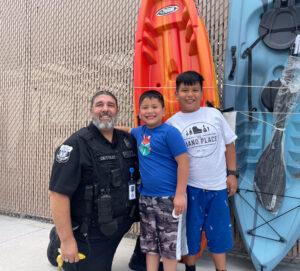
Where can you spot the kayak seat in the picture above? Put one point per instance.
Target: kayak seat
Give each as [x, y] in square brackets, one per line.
[269, 94]
[280, 26]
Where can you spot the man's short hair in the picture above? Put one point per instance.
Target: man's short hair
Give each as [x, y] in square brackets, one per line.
[189, 78]
[152, 94]
[103, 92]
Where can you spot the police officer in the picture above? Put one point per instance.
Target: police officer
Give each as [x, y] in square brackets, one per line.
[93, 189]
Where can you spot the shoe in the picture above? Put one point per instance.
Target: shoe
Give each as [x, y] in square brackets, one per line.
[190, 268]
[54, 244]
[137, 262]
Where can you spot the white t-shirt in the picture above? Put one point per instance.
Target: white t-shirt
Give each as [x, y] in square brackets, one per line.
[205, 133]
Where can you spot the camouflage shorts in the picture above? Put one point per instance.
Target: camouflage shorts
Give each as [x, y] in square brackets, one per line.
[159, 230]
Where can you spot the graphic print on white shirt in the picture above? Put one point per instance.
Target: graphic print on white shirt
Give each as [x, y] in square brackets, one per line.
[201, 139]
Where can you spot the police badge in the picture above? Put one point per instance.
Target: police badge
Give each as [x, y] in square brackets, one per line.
[63, 154]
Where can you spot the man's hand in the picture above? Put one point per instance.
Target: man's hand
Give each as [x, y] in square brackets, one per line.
[69, 250]
[60, 261]
[231, 185]
[179, 204]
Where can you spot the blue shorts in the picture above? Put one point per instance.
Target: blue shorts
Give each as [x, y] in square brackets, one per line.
[208, 210]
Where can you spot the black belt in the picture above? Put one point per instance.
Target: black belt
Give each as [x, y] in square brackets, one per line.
[120, 219]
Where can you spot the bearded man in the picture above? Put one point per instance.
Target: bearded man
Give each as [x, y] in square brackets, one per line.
[92, 189]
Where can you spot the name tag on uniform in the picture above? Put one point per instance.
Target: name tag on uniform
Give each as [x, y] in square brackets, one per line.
[107, 157]
[128, 154]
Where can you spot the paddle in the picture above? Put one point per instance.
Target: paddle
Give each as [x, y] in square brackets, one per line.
[270, 175]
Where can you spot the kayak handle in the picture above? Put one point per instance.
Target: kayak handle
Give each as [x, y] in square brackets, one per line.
[233, 57]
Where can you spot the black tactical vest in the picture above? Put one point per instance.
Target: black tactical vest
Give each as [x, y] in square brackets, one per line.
[107, 192]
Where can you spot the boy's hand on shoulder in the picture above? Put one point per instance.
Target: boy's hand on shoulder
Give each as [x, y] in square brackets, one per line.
[179, 204]
[231, 185]
[124, 129]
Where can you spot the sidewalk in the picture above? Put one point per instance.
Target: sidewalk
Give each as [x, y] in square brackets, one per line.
[23, 245]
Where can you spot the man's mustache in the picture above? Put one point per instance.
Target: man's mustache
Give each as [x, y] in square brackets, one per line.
[105, 115]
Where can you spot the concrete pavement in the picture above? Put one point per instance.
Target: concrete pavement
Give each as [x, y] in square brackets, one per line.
[23, 246]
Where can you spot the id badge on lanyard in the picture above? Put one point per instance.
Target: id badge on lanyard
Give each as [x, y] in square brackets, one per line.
[132, 193]
[131, 186]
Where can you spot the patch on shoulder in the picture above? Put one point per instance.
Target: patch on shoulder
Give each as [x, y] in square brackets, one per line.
[63, 154]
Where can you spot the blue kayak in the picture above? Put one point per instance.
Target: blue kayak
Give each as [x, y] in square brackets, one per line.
[261, 34]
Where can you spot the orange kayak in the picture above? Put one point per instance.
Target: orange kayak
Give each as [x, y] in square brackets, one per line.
[171, 38]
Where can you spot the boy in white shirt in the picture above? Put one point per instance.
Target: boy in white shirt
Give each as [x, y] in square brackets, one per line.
[212, 177]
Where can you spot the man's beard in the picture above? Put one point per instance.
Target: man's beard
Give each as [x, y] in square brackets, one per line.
[104, 125]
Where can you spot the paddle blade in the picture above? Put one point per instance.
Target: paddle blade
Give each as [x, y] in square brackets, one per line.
[270, 178]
